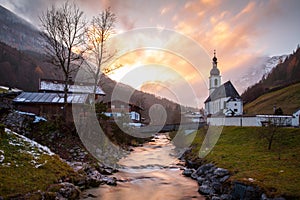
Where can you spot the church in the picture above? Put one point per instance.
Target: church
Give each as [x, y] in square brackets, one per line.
[223, 99]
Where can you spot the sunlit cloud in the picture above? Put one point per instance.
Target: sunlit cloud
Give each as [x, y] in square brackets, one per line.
[240, 31]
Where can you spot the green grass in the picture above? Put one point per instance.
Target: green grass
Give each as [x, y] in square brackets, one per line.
[287, 98]
[245, 153]
[21, 175]
[2, 90]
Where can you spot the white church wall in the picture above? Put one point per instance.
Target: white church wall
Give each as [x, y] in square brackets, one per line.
[235, 106]
[257, 120]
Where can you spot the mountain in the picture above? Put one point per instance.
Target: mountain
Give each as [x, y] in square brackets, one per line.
[255, 70]
[18, 33]
[284, 74]
[21, 70]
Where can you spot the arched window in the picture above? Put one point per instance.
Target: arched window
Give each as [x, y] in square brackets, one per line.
[216, 82]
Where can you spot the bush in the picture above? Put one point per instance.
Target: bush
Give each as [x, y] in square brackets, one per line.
[2, 129]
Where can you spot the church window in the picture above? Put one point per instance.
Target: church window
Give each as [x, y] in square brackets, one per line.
[216, 82]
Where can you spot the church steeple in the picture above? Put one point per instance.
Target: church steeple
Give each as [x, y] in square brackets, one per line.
[215, 78]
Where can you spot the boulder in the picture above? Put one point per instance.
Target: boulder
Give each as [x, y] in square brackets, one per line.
[226, 197]
[200, 180]
[93, 177]
[206, 190]
[63, 190]
[225, 178]
[203, 169]
[188, 172]
[252, 193]
[217, 186]
[194, 175]
[69, 191]
[221, 172]
[215, 198]
[110, 181]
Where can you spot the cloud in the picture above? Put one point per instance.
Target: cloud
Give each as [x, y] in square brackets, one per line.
[232, 31]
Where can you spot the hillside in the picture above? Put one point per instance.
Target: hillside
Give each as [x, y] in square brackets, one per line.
[288, 99]
[21, 70]
[283, 75]
[26, 166]
[144, 100]
[19, 33]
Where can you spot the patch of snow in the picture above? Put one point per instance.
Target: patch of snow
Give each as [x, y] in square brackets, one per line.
[41, 148]
[25, 113]
[1, 156]
[37, 118]
[6, 164]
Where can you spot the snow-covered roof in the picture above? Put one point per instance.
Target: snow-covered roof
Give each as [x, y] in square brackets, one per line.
[58, 86]
[34, 97]
[10, 89]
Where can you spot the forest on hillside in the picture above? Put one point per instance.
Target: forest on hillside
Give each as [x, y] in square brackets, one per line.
[286, 73]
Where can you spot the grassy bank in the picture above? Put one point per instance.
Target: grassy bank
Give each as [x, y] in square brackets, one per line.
[245, 153]
[25, 167]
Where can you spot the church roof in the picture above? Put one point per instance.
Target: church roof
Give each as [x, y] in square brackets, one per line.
[225, 90]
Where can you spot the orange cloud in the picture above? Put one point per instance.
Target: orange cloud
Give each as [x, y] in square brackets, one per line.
[230, 33]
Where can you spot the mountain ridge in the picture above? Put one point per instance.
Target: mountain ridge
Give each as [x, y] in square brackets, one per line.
[284, 74]
[19, 33]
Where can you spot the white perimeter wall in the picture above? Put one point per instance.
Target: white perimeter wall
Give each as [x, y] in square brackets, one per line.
[233, 121]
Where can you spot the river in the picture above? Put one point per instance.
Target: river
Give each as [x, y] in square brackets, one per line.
[150, 172]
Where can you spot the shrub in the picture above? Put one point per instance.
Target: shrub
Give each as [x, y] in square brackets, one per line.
[2, 129]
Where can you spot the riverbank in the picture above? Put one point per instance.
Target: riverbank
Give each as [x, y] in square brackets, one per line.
[244, 152]
[70, 168]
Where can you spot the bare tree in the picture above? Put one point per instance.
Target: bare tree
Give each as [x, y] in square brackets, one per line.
[100, 29]
[272, 128]
[64, 29]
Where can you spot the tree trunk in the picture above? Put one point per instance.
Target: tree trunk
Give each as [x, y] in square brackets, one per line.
[66, 90]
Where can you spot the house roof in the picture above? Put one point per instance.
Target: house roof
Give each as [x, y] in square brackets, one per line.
[58, 86]
[225, 90]
[50, 98]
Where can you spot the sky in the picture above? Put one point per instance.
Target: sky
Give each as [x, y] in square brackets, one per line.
[176, 62]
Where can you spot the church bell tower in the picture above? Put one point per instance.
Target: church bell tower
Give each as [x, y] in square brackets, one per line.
[215, 78]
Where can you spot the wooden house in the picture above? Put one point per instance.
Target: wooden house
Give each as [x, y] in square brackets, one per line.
[49, 105]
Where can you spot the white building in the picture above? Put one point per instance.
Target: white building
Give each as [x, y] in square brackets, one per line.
[194, 117]
[223, 99]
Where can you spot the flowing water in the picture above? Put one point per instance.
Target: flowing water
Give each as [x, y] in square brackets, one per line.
[150, 172]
